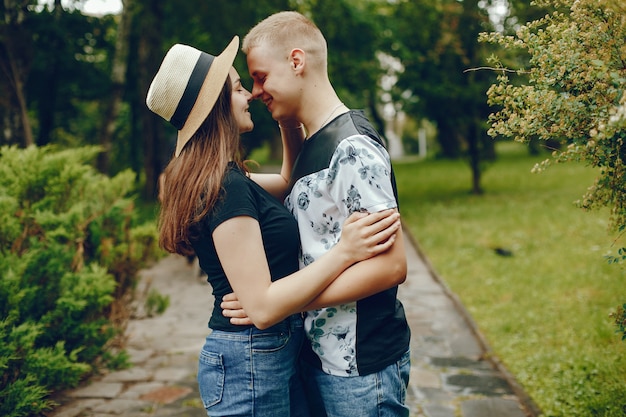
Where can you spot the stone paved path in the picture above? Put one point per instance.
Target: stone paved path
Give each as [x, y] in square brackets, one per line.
[449, 375]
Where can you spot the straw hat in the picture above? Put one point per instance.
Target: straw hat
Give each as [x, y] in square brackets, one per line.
[187, 85]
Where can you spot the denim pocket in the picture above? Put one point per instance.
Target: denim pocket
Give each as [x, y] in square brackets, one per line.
[211, 378]
[405, 359]
[270, 342]
[404, 371]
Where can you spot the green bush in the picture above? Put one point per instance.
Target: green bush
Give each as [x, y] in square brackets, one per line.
[69, 256]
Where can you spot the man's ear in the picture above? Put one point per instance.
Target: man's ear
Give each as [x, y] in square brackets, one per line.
[297, 59]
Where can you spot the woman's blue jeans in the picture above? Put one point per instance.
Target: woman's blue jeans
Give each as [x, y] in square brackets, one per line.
[254, 372]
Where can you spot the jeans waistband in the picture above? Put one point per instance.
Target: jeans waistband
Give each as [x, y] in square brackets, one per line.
[292, 322]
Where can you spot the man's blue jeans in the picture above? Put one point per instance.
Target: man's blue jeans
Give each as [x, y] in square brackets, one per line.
[381, 394]
[253, 373]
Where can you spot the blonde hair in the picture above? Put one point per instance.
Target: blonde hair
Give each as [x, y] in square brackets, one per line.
[284, 31]
[192, 181]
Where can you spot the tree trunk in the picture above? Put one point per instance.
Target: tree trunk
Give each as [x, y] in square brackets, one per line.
[15, 65]
[473, 136]
[48, 98]
[377, 120]
[21, 99]
[471, 23]
[149, 57]
[118, 80]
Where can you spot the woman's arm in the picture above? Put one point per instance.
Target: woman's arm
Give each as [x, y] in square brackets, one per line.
[267, 302]
[363, 279]
[292, 134]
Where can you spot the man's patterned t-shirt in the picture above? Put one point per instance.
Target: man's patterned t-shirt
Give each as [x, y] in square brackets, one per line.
[343, 169]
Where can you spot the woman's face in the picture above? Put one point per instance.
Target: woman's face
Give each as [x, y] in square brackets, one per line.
[240, 103]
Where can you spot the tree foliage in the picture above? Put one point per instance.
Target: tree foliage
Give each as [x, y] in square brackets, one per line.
[438, 82]
[63, 84]
[574, 94]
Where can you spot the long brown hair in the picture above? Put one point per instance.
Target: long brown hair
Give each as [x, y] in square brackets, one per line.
[193, 180]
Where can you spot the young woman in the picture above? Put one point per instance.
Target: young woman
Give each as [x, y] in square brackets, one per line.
[245, 240]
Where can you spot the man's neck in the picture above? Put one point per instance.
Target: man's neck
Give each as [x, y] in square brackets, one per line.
[319, 116]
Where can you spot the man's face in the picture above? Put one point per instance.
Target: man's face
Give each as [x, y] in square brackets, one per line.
[273, 81]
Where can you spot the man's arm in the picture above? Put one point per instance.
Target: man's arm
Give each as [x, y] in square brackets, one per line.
[267, 301]
[363, 279]
[366, 278]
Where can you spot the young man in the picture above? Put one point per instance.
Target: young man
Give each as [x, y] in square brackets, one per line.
[357, 362]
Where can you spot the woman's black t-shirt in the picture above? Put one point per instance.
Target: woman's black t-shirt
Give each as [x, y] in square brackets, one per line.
[240, 196]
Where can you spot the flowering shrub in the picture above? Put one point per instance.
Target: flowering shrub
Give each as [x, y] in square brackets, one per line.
[572, 91]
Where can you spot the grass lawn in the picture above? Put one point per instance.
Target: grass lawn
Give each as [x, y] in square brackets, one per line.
[545, 309]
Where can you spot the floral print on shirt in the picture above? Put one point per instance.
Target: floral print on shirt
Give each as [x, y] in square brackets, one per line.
[357, 179]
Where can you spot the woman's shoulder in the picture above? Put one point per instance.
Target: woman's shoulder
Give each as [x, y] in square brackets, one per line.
[235, 176]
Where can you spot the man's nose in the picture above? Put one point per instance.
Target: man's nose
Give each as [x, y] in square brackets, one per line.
[257, 91]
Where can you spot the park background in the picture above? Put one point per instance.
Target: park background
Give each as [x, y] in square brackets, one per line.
[480, 101]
